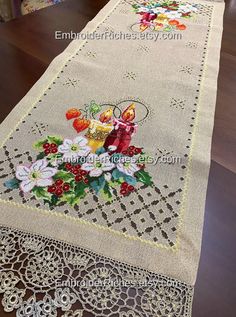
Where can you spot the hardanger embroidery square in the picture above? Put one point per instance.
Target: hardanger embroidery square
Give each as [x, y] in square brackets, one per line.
[77, 118]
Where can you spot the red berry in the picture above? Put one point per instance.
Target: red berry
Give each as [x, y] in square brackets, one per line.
[137, 150]
[53, 145]
[51, 189]
[83, 173]
[124, 185]
[85, 180]
[131, 148]
[131, 153]
[68, 166]
[78, 166]
[66, 187]
[75, 171]
[46, 145]
[141, 165]
[130, 188]
[123, 191]
[78, 178]
[59, 182]
[47, 151]
[59, 191]
[54, 150]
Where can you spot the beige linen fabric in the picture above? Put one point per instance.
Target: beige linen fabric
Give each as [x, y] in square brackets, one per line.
[173, 83]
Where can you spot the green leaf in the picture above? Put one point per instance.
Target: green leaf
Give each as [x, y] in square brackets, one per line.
[52, 201]
[39, 144]
[65, 176]
[71, 198]
[40, 192]
[106, 193]
[55, 139]
[144, 177]
[80, 190]
[40, 156]
[12, 183]
[94, 108]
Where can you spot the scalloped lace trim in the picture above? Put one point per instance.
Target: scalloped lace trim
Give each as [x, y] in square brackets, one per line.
[42, 277]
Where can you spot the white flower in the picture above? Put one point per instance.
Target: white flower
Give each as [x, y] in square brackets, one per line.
[107, 176]
[72, 149]
[187, 8]
[38, 174]
[98, 164]
[64, 298]
[159, 10]
[12, 299]
[7, 281]
[128, 167]
[173, 15]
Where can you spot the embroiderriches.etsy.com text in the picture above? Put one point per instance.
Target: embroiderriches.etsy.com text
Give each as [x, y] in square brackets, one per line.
[151, 160]
[114, 283]
[117, 36]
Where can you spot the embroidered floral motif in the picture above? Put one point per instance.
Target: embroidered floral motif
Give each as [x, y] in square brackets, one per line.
[163, 15]
[7, 281]
[164, 301]
[65, 170]
[44, 268]
[12, 299]
[64, 298]
[97, 288]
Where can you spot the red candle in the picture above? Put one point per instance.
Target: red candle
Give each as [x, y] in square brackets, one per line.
[124, 129]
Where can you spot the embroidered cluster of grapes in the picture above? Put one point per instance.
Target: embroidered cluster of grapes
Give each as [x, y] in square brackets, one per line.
[59, 187]
[80, 175]
[50, 148]
[132, 150]
[125, 189]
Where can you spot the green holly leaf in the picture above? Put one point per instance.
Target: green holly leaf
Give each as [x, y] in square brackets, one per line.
[41, 192]
[71, 198]
[40, 156]
[144, 177]
[65, 176]
[55, 139]
[52, 201]
[80, 190]
[12, 183]
[39, 144]
[106, 193]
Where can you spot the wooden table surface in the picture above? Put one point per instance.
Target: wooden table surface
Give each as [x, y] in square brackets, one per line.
[27, 46]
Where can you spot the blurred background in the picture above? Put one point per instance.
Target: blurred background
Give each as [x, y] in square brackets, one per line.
[9, 9]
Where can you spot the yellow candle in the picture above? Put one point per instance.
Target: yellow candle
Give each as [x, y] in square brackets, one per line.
[97, 134]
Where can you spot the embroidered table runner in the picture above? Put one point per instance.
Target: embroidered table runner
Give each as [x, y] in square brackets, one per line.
[104, 167]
